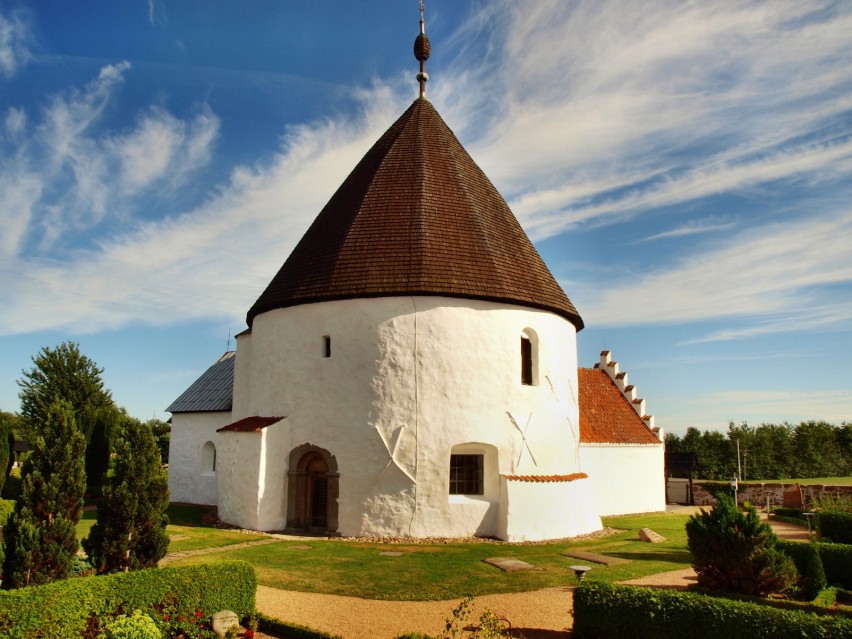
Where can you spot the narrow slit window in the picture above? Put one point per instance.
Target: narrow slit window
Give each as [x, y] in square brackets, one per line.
[326, 346]
[526, 361]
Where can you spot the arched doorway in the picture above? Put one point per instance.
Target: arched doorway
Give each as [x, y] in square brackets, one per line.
[312, 491]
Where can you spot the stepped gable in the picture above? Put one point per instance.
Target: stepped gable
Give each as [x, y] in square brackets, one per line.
[607, 415]
[416, 216]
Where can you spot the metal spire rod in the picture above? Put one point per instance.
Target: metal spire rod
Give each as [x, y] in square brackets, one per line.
[422, 49]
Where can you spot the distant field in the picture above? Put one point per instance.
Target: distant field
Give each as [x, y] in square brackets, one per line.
[827, 481]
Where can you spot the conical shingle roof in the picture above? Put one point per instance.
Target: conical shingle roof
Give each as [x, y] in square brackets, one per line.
[416, 216]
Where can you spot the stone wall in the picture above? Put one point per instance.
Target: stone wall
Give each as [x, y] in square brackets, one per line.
[791, 495]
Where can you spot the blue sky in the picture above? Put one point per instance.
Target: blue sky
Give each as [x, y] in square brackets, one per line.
[685, 170]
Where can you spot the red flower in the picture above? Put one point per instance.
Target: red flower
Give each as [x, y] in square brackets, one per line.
[181, 618]
[198, 613]
[166, 618]
[249, 634]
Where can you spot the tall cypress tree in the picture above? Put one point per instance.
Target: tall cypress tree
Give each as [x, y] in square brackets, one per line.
[130, 532]
[40, 535]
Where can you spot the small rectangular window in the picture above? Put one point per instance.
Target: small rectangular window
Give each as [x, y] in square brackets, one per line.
[326, 346]
[526, 362]
[466, 472]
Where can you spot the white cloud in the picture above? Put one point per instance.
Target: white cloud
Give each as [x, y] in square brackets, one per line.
[714, 410]
[607, 105]
[581, 113]
[774, 273]
[70, 174]
[691, 227]
[210, 262]
[14, 44]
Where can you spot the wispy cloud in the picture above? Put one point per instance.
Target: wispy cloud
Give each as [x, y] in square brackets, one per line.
[716, 409]
[15, 40]
[61, 172]
[691, 227]
[767, 276]
[209, 262]
[583, 114]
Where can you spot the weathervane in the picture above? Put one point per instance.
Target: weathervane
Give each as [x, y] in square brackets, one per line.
[422, 49]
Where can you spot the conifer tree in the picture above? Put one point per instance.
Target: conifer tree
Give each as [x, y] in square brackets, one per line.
[130, 532]
[40, 536]
[65, 373]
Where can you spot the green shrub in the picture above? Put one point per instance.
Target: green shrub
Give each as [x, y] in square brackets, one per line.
[12, 487]
[136, 626]
[835, 526]
[65, 609]
[6, 508]
[608, 611]
[833, 504]
[732, 550]
[837, 562]
[808, 563]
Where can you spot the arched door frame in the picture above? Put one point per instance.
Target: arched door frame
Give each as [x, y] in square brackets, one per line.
[300, 486]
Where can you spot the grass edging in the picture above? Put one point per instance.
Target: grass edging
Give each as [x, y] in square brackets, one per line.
[288, 630]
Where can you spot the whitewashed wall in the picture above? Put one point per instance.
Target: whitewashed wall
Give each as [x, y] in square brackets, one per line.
[190, 479]
[408, 379]
[548, 510]
[626, 478]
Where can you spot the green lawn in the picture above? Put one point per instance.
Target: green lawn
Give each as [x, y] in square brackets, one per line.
[447, 571]
[187, 529]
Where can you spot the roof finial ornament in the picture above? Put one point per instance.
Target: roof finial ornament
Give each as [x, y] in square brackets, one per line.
[422, 49]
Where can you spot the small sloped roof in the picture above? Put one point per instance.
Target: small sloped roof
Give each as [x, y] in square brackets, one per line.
[416, 216]
[253, 424]
[606, 417]
[213, 391]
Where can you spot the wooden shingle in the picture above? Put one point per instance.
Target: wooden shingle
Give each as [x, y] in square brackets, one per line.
[416, 216]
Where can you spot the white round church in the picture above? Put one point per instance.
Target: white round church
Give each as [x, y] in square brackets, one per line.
[411, 371]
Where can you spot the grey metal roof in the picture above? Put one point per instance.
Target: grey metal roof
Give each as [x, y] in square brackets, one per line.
[213, 391]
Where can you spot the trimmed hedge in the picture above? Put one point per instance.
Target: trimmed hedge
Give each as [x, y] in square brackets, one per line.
[837, 563]
[607, 611]
[835, 526]
[67, 609]
[808, 563]
[290, 630]
[789, 513]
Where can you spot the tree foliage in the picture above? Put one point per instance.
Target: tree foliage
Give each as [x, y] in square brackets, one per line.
[40, 536]
[130, 532]
[64, 373]
[8, 424]
[769, 451]
[162, 434]
[732, 550]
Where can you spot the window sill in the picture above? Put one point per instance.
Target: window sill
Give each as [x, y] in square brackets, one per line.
[468, 499]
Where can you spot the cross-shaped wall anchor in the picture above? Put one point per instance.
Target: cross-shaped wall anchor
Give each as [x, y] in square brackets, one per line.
[524, 442]
[392, 461]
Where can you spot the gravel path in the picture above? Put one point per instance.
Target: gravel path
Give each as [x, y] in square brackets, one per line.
[541, 614]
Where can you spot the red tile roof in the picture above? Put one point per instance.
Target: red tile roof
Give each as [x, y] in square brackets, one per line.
[547, 478]
[606, 416]
[416, 216]
[249, 425]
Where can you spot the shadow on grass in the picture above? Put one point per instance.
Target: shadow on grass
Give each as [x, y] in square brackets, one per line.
[674, 556]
